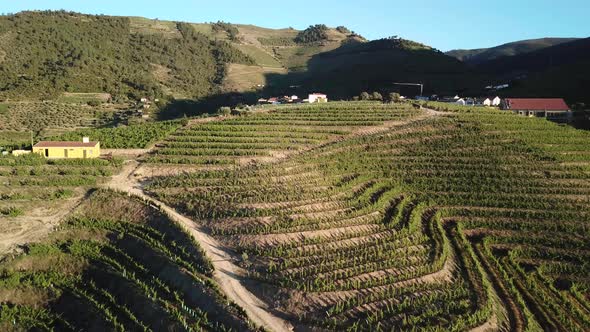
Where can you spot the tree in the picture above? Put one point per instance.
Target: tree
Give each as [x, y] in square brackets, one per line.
[376, 96]
[224, 111]
[343, 29]
[394, 97]
[365, 95]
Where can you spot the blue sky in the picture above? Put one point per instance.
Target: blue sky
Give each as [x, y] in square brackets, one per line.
[442, 24]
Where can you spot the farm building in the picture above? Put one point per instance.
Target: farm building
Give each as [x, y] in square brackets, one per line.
[550, 108]
[52, 149]
[317, 98]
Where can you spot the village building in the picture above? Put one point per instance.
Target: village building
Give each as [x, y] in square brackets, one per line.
[489, 101]
[54, 149]
[550, 108]
[317, 98]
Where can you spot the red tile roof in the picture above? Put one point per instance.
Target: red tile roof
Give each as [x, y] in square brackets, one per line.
[53, 144]
[537, 104]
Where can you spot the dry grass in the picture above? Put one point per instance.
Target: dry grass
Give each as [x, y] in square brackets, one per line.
[243, 77]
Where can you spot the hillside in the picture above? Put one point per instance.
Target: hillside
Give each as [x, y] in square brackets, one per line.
[560, 70]
[43, 54]
[356, 215]
[133, 269]
[202, 66]
[376, 65]
[338, 216]
[476, 56]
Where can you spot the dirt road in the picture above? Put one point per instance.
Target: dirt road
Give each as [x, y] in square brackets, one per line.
[229, 276]
[34, 226]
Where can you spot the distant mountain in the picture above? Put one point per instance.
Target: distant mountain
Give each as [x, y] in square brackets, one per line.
[480, 55]
[561, 70]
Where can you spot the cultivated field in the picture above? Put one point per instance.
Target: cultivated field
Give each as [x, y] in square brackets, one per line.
[435, 221]
[116, 264]
[52, 116]
[340, 216]
[35, 193]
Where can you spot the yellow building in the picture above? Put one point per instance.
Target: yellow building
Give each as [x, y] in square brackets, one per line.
[84, 149]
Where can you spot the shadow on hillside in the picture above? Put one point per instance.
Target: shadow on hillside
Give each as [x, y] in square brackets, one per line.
[208, 105]
[351, 69]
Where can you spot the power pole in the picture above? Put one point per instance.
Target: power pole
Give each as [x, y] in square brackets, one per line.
[413, 84]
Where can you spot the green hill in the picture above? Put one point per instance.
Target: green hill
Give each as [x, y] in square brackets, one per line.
[43, 54]
[476, 56]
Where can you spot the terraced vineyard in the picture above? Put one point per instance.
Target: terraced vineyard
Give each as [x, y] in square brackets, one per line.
[433, 221]
[116, 264]
[267, 136]
[51, 115]
[36, 193]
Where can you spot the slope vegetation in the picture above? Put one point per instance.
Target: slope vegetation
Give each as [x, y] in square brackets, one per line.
[116, 264]
[46, 53]
[456, 220]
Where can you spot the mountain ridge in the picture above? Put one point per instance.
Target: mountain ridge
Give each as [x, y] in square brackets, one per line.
[479, 55]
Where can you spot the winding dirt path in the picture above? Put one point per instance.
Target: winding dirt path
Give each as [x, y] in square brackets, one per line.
[229, 276]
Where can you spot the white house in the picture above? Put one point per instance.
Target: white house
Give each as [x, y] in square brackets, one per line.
[460, 101]
[317, 98]
[489, 101]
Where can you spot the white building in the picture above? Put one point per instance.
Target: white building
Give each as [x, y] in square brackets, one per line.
[489, 101]
[460, 101]
[317, 98]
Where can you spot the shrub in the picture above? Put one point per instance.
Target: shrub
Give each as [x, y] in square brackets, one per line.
[224, 111]
[314, 33]
[343, 29]
[376, 96]
[394, 97]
